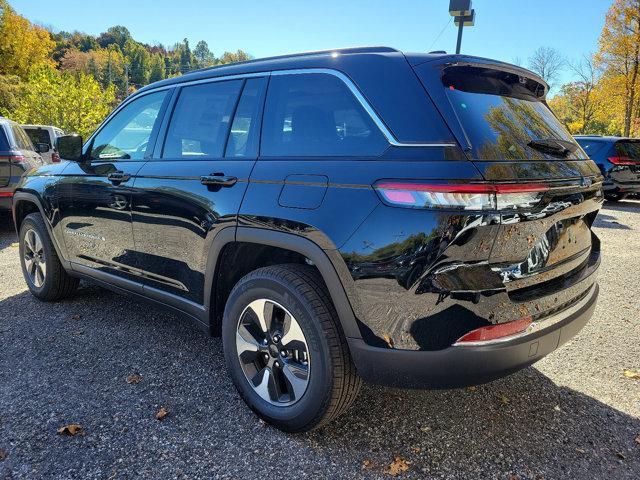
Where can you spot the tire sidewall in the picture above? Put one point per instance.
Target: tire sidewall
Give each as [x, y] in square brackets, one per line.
[31, 224]
[315, 399]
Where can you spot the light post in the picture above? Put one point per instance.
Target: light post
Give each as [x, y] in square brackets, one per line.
[463, 16]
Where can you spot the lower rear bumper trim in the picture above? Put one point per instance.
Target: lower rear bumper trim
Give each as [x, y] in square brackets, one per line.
[470, 365]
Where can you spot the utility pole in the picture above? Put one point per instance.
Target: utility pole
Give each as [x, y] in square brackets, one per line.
[463, 15]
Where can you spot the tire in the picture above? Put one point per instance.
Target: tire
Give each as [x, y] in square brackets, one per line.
[615, 196]
[332, 381]
[56, 283]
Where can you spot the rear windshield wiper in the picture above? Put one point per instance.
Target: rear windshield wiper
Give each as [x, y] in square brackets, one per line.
[553, 146]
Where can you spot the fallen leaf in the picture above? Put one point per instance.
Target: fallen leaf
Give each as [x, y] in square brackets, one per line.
[71, 430]
[133, 378]
[367, 464]
[398, 466]
[78, 333]
[557, 408]
[3, 455]
[504, 400]
[425, 428]
[621, 456]
[162, 413]
[638, 439]
[416, 449]
[632, 374]
[387, 338]
[472, 388]
[77, 316]
[581, 450]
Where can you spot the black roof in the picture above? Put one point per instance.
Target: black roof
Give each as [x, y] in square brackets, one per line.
[329, 59]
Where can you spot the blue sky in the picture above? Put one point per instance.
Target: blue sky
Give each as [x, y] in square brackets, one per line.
[504, 29]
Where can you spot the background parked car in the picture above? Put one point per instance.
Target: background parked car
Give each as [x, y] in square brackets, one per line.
[45, 134]
[619, 160]
[17, 155]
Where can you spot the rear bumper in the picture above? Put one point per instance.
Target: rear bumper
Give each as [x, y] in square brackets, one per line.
[460, 366]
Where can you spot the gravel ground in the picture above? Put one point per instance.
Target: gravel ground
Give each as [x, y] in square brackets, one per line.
[573, 415]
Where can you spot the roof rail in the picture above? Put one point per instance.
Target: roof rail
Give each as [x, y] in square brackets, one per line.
[345, 50]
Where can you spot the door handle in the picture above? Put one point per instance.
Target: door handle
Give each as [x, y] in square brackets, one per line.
[118, 177]
[218, 180]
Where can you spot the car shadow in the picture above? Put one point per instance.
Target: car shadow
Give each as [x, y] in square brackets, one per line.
[609, 221]
[7, 231]
[623, 206]
[72, 358]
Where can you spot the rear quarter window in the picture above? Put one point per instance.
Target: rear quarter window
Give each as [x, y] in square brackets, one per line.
[592, 147]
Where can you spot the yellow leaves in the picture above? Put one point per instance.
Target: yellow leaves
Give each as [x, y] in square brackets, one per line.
[133, 379]
[22, 45]
[503, 399]
[367, 464]
[162, 414]
[71, 430]
[75, 103]
[398, 466]
[387, 338]
[631, 374]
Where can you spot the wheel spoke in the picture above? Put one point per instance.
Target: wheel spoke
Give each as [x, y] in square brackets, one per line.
[292, 332]
[38, 244]
[28, 264]
[39, 276]
[29, 242]
[297, 377]
[247, 345]
[264, 313]
[266, 386]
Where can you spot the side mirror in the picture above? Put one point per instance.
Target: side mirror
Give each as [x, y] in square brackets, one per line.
[70, 147]
[42, 147]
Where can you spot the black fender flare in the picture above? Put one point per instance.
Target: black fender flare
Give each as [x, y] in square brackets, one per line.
[19, 196]
[296, 244]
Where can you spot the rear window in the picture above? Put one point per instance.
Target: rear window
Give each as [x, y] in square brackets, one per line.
[505, 115]
[38, 135]
[628, 149]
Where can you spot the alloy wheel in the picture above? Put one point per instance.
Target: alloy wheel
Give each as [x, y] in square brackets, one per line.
[34, 258]
[273, 352]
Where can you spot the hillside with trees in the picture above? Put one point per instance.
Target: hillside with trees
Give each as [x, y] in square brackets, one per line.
[73, 79]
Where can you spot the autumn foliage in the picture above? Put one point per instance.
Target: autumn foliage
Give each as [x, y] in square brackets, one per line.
[72, 80]
[605, 98]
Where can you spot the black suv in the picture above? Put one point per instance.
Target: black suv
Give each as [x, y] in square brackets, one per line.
[619, 161]
[413, 220]
[17, 155]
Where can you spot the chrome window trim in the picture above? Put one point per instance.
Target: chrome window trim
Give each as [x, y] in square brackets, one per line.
[391, 139]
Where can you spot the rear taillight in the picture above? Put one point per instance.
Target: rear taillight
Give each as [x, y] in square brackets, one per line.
[18, 160]
[623, 161]
[55, 157]
[13, 158]
[475, 196]
[6, 194]
[492, 333]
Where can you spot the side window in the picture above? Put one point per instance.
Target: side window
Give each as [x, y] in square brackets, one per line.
[126, 136]
[310, 115]
[200, 120]
[245, 129]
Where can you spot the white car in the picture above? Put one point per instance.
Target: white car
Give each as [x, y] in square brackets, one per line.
[45, 134]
